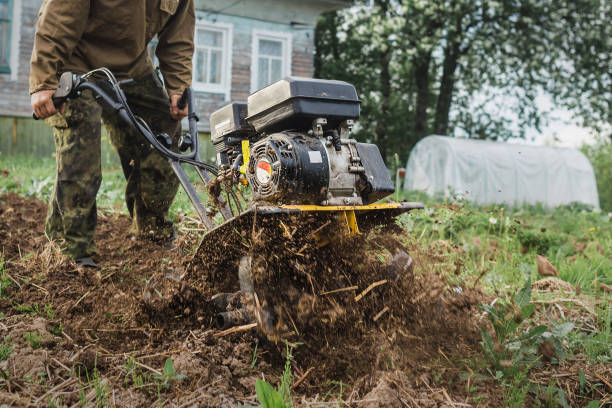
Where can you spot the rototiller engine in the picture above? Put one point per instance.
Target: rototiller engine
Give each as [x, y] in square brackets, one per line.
[293, 139]
[284, 154]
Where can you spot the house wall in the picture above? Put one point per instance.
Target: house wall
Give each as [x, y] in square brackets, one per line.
[302, 57]
[14, 96]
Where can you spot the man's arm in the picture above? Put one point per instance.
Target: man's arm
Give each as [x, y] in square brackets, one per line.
[60, 26]
[175, 49]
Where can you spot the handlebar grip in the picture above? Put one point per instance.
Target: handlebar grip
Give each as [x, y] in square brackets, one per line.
[183, 101]
[57, 102]
[68, 81]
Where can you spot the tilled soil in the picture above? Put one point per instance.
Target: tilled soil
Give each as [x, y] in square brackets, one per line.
[367, 322]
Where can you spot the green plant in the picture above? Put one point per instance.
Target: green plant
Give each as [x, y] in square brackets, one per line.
[32, 310]
[284, 386]
[516, 392]
[6, 348]
[101, 390]
[510, 350]
[54, 402]
[133, 374]
[598, 345]
[57, 329]
[538, 241]
[34, 339]
[281, 397]
[169, 375]
[254, 359]
[5, 281]
[600, 156]
[48, 309]
[268, 397]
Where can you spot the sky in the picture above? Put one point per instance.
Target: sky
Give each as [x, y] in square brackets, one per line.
[562, 129]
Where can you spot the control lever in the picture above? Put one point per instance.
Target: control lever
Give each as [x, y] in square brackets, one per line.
[185, 142]
[164, 139]
[184, 98]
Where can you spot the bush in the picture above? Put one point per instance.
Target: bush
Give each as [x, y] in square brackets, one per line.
[600, 156]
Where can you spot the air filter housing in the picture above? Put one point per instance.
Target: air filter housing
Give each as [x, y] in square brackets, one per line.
[293, 103]
[228, 128]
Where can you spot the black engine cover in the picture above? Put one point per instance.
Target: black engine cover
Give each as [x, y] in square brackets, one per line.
[289, 167]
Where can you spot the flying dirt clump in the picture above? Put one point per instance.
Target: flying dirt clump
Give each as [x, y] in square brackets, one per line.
[332, 295]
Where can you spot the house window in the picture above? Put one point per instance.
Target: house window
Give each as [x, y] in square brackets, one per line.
[271, 59]
[5, 35]
[212, 58]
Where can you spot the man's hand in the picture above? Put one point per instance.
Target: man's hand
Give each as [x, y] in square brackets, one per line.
[42, 104]
[175, 112]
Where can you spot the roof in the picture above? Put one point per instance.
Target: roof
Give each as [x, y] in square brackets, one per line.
[280, 11]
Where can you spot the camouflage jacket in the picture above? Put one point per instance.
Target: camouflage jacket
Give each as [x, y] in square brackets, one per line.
[80, 35]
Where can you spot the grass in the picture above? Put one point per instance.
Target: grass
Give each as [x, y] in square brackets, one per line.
[33, 338]
[5, 281]
[501, 243]
[34, 177]
[6, 348]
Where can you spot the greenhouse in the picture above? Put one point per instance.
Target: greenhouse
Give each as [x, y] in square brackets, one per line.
[486, 172]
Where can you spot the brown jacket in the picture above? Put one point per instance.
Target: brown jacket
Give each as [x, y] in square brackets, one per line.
[80, 35]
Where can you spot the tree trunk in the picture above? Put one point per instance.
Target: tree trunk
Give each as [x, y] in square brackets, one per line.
[447, 88]
[421, 77]
[385, 94]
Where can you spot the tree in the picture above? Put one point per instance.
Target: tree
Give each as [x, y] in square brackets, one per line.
[462, 66]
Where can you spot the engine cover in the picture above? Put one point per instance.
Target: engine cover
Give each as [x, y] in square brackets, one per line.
[289, 167]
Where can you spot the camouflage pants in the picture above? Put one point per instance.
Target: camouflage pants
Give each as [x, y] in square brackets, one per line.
[151, 184]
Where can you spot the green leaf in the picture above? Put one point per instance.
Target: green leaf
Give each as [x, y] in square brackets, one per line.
[592, 404]
[169, 368]
[523, 297]
[563, 399]
[535, 332]
[267, 396]
[582, 381]
[527, 310]
[562, 330]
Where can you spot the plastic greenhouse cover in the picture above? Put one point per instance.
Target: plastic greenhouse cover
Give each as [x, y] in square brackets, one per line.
[488, 172]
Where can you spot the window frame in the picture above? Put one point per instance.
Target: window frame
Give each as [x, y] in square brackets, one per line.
[6, 69]
[227, 32]
[286, 38]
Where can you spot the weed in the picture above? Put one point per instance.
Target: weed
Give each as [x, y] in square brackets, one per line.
[101, 390]
[268, 397]
[281, 397]
[54, 402]
[48, 310]
[169, 375]
[32, 310]
[512, 351]
[284, 386]
[596, 345]
[5, 281]
[254, 359]
[540, 242]
[34, 339]
[6, 348]
[515, 394]
[133, 374]
[57, 329]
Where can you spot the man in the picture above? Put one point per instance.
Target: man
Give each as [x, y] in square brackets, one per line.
[81, 35]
